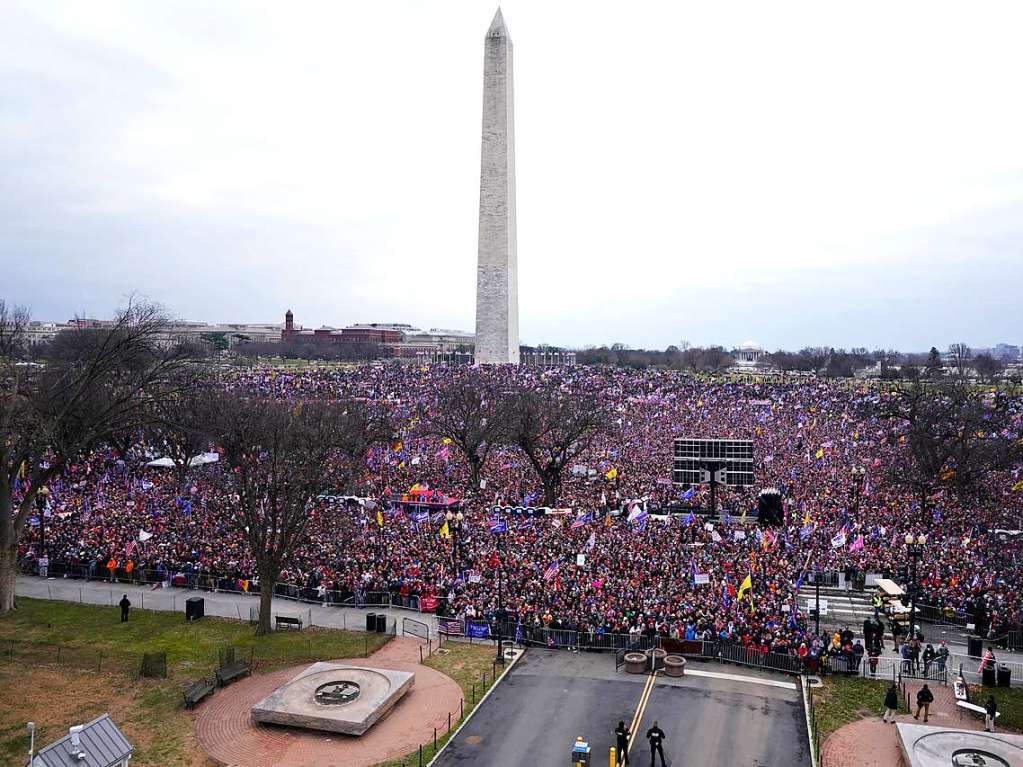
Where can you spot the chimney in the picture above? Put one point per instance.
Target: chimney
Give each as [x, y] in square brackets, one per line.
[289, 320]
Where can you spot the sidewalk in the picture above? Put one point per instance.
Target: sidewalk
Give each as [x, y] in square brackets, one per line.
[219, 604]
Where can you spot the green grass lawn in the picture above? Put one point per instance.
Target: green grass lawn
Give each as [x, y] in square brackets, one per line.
[83, 631]
[842, 700]
[1010, 704]
[466, 664]
[50, 654]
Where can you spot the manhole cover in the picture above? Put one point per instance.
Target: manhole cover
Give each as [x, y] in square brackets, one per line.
[336, 693]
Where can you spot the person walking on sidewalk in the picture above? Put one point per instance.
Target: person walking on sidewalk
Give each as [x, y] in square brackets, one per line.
[924, 699]
[891, 704]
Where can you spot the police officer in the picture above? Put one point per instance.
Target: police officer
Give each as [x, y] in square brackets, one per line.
[124, 604]
[656, 737]
[622, 736]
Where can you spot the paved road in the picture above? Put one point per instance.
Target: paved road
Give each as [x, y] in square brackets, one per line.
[220, 604]
[550, 697]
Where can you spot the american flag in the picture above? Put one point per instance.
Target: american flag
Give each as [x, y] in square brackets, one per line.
[551, 571]
[449, 626]
[129, 550]
[582, 520]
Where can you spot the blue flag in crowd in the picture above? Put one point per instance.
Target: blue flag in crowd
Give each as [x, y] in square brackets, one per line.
[691, 518]
[805, 532]
[688, 494]
[498, 526]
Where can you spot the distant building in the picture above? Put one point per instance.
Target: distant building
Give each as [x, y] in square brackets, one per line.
[397, 339]
[748, 354]
[1006, 352]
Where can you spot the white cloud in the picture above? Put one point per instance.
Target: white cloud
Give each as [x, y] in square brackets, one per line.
[796, 172]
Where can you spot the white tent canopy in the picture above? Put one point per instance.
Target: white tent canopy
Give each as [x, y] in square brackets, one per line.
[199, 460]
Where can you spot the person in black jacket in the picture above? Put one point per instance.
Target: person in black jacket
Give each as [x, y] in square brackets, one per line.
[924, 699]
[656, 737]
[124, 604]
[891, 704]
[990, 712]
[622, 736]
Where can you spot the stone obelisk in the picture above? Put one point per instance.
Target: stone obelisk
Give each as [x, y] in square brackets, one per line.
[497, 280]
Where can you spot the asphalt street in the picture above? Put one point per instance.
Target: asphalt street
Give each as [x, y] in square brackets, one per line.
[550, 697]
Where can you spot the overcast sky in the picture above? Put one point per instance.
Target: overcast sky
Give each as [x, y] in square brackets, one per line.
[715, 172]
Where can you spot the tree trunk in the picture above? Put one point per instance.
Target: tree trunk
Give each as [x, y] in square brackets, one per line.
[551, 481]
[266, 595]
[474, 473]
[8, 578]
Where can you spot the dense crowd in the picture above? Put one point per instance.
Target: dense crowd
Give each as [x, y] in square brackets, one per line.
[680, 574]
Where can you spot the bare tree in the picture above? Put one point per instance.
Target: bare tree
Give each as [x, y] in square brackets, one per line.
[359, 429]
[817, 356]
[959, 356]
[94, 383]
[468, 413]
[551, 427]
[987, 367]
[950, 435]
[181, 418]
[274, 463]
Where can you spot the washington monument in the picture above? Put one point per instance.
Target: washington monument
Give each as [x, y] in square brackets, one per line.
[497, 279]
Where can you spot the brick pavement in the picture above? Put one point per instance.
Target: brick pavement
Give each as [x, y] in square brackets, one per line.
[226, 731]
[872, 743]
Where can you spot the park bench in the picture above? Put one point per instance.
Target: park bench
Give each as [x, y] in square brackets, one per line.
[973, 707]
[288, 622]
[231, 671]
[196, 691]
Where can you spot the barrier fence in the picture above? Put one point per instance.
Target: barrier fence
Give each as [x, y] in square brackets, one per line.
[229, 585]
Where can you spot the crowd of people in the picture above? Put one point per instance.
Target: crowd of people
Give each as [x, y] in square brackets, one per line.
[684, 574]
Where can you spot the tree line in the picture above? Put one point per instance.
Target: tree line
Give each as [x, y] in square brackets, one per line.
[820, 360]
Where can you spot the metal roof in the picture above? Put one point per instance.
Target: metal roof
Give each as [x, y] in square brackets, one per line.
[102, 743]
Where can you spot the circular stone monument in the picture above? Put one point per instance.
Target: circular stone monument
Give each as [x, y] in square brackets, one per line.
[334, 697]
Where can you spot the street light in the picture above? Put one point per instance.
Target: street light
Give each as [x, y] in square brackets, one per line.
[500, 600]
[42, 497]
[915, 550]
[455, 526]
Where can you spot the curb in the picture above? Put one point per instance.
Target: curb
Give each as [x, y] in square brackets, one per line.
[804, 684]
[477, 707]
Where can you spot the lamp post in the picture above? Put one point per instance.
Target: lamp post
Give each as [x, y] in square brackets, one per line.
[858, 474]
[500, 600]
[42, 497]
[914, 550]
[455, 526]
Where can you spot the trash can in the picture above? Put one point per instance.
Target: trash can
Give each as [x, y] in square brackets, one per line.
[974, 646]
[1004, 675]
[381, 623]
[195, 608]
[987, 676]
[371, 622]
